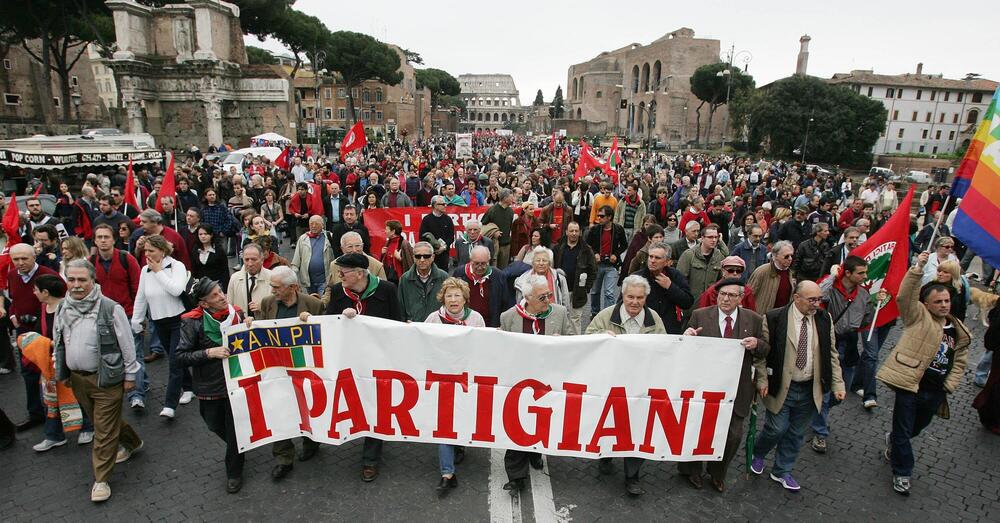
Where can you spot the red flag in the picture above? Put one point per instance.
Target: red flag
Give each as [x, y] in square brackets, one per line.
[614, 157]
[309, 152]
[168, 187]
[354, 139]
[885, 269]
[281, 161]
[11, 224]
[84, 228]
[316, 198]
[552, 143]
[130, 192]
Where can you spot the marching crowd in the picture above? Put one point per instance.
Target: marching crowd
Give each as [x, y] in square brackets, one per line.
[718, 246]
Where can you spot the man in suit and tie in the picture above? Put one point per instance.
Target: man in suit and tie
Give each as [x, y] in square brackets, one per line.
[801, 367]
[727, 319]
[249, 286]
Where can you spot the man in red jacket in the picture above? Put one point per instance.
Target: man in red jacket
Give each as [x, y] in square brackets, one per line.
[23, 314]
[117, 273]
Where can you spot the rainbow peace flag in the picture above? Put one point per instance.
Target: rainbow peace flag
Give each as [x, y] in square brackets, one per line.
[977, 182]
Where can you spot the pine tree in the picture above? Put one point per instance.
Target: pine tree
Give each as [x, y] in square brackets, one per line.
[557, 104]
[539, 99]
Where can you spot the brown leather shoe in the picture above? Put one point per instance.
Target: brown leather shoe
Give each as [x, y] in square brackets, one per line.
[151, 357]
[696, 481]
[369, 473]
[720, 486]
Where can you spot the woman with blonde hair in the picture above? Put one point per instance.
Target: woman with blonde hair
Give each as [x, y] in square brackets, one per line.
[73, 248]
[949, 272]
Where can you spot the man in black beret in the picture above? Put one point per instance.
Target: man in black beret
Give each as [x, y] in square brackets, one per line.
[360, 292]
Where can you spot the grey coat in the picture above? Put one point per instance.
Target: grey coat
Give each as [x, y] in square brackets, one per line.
[556, 323]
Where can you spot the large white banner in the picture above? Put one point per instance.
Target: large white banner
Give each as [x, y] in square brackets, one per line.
[463, 145]
[660, 397]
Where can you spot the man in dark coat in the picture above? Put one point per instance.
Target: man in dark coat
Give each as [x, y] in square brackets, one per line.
[350, 224]
[670, 293]
[489, 292]
[360, 292]
[441, 228]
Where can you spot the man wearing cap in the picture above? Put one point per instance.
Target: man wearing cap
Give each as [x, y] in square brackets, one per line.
[732, 267]
[730, 320]
[201, 348]
[359, 292]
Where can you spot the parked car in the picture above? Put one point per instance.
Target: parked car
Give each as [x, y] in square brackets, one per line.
[919, 176]
[811, 167]
[883, 172]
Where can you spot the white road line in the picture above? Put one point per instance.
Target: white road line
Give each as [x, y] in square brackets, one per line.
[503, 507]
[541, 494]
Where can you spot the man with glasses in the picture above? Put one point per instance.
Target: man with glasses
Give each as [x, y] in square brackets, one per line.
[801, 366]
[772, 283]
[602, 199]
[489, 290]
[607, 240]
[118, 200]
[944, 250]
[729, 319]
[438, 228]
[732, 267]
[752, 251]
[702, 265]
[419, 286]
[361, 293]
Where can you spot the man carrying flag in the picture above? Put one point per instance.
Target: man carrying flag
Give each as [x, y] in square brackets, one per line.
[132, 193]
[354, 139]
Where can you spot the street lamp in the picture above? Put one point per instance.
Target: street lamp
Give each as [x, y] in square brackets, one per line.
[77, 99]
[806, 140]
[742, 56]
[650, 111]
[318, 58]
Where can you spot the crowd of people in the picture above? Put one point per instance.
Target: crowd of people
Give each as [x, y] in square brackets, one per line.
[688, 244]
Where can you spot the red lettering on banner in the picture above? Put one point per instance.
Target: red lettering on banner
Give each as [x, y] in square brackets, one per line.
[484, 408]
[511, 415]
[410, 218]
[354, 411]
[318, 388]
[709, 420]
[446, 400]
[385, 410]
[571, 417]
[258, 425]
[617, 405]
[673, 427]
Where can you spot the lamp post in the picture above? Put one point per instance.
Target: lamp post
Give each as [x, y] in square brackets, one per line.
[77, 99]
[745, 57]
[318, 58]
[650, 111]
[806, 140]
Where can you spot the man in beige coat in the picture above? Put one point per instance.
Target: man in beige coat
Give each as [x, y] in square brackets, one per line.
[250, 285]
[925, 365]
[801, 366]
[772, 283]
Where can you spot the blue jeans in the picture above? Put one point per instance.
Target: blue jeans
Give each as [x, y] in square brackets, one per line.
[983, 368]
[786, 429]
[54, 429]
[911, 414]
[33, 393]
[141, 383]
[845, 343]
[317, 288]
[154, 341]
[169, 330]
[604, 293]
[446, 459]
[865, 377]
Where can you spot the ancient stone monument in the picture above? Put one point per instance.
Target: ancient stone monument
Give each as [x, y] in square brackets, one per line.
[185, 79]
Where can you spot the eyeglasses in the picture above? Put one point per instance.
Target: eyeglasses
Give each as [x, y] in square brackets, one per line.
[952, 247]
[730, 295]
[439, 203]
[733, 270]
[423, 256]
[544, 297]
[602, 215]
[813, 300]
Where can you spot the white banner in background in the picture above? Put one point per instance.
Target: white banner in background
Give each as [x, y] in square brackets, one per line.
[463, 145]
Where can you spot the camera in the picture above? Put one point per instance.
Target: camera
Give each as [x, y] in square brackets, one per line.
[27, 319]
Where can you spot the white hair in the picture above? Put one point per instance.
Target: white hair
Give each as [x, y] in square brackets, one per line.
[635, 280]
[473, 223]
[284, 275]
[541, 249]
[348, 236]
[534, 281]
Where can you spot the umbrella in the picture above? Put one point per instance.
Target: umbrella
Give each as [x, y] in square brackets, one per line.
[751, 435]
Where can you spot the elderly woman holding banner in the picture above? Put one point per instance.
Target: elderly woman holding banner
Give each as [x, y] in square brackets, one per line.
[534, 314]
[454, 299]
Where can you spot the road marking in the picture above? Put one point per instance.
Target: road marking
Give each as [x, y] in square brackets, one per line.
[504, 508]
[541, 494]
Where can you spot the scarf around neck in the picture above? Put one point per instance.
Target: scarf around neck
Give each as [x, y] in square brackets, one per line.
[448, 319]
[473, 279]
[213, 323]
[523, 312]
[359, 299]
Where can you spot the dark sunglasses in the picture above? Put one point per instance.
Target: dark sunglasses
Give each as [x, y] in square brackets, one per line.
[423, 256]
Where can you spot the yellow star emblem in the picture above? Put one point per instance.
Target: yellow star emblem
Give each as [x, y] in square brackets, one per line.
[237, 344]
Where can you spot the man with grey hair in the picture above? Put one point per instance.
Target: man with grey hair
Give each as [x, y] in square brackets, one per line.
[249, 286]
[95, 353]
[394, 197]
[438, 229]
[502, 214]
[150, 223]
[288, 301]
[313, 255]
[669, 288]
[811, 255]
[692, 232]
[472, 237]
[773, 284]
[419, 286]
[631, 316]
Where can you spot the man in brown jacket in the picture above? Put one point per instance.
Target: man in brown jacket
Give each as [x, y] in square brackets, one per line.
[288, 301]
[772, 283]
[926, 364]
[554, 218]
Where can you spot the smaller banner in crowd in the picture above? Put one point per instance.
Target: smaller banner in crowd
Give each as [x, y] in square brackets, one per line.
[410, 218]
[334, 379]
[463, 145]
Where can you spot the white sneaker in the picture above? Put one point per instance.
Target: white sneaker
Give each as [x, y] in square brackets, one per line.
[4, 370]
[137, 404]
[186, 397]
[100, 492]
[860, 392]
[167, 412]
[85, 438]
[48, 444]
[870, 404]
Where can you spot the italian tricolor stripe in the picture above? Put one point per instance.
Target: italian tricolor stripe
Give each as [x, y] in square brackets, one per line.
[253, 362]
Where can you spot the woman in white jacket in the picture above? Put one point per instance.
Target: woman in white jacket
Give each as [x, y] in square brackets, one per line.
[541, 264]
[161, 283]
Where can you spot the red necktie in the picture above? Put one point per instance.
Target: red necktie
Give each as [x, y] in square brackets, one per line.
[729, 328]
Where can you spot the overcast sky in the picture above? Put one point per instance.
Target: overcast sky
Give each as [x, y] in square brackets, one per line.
[537, 41]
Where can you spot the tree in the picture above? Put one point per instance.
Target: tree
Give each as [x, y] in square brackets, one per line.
[539, 99]
[257, 16]
[440, 83]
[413, 57]
[256, 55]
[301, 34]
[845, 125]
[556, 111]
[711, 87]
[359, 57]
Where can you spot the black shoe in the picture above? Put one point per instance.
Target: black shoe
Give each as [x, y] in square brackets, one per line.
[233, 485]
[633, 489]
[696, 481]
[536, 462]
[280, 471]
[459, 455]
[514, 486]
[369, 473]
[605, 466]
[446, 484]
[30, 424]
[307, 452]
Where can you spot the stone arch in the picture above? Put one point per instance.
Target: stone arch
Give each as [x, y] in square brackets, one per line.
[583, 90]
[576, 94]
[496, 117]
[579, 113]
[503, 117]
[657, 74]
[635, 79]
[645, 77]
[641, 117]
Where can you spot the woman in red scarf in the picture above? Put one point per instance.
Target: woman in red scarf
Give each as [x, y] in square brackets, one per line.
[397, 254]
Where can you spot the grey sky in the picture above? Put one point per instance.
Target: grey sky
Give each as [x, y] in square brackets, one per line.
[537, 41]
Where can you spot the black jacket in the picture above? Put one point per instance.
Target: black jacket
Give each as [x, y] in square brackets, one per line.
[342, 228]
[208, 378]
[666, 301]
[384, 303]
[794, 232]
[618, 243]
[585, 263]
[810, 259]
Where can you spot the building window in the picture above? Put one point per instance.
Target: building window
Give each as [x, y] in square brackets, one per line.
[954, 118]
[378, 116]
[973, 116]
[56, 102]
[959, 99]
[895, 115]
[870, 92]
[378, 96]
[7, 64]
[74, 81]
[327, 93]
[328, 113]
[934, 150]
[951, 135]
[890, 92]
[899, 93]
[920, 93]
[366, 115]
[941, 119]
[929, 116]
[946, 95]
[924, 134]
[341, 92]
[937, 135]
[977, 98]
[11, 99]
[933, 95]
[899, 146]
[901, 130]
[921, 148]
[914, 116]
[310, 112]
[342, 113]
[366, 96]
[598, 94]
[354, 92]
